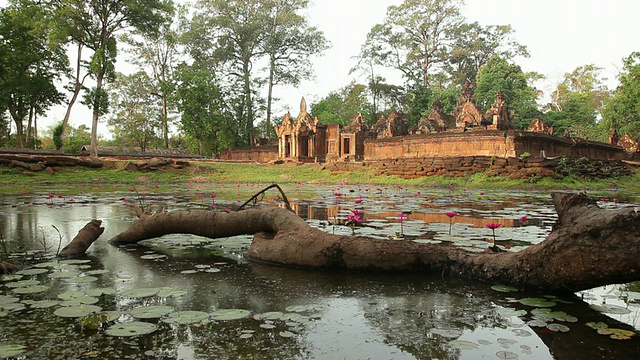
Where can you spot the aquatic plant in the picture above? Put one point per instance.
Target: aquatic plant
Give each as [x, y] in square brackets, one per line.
[451, 215]
[493, 227]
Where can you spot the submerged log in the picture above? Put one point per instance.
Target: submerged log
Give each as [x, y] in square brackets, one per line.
[86, 236]
[589, 247]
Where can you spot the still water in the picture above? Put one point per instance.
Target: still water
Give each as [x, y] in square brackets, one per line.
[172, 289]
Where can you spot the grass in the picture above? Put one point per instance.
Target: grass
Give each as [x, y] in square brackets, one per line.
[115, 178]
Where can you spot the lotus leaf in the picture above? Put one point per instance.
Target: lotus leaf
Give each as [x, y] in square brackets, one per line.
[10, 277]
[558, 327]
[151, 312]
[537, 302]
[43, 304]
[286, 334]
[537, 323]
[141, 292]
[101, 291]
[617, 334]
[29, 272]
[171, 292]
[63, 274]
[30, 289]
[507, 355]
[22, 283]
[81, 279]
[448, 333]
[77, 311]
[267, 326]
[246, 336]
[186, 317]
[134, 328]
[229, 314]
[504, 288]
[74, 261]
[597, 325]
[4, 299]
[463, 344]
[610, 309]
[7, 351]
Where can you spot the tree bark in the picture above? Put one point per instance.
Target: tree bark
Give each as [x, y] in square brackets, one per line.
[589, 247]
[86, 236]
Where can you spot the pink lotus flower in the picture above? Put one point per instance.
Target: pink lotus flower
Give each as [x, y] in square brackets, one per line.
[354, 219]
[227, 210]
[493, 227]
[358, 201]
[214, 206]
[451, 215]
[523, 219]
[357, 212]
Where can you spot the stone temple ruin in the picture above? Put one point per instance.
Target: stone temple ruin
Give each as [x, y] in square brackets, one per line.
[465, 132]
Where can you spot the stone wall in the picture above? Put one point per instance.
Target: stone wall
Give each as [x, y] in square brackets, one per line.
[260, 154]
[487, 143]
[516, 168]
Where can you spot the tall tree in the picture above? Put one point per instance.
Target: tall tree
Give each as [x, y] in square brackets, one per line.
[340, 107]
[96, 25]
[158, 54]
[29, 64]
[136, 118]
[414, 36]
[577, 102]
[475, 44]
[290, 44]
[500, 75]
[229, 36]
[622, 110]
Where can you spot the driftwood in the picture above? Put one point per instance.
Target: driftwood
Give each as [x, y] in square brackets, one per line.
[86, 236]
[589, 247]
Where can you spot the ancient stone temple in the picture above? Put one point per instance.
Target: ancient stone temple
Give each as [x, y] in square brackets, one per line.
[394, 125]
[302, 140]
[498, 117]
[466, 112]
[540, 127]
[436, 121]
[352, 138]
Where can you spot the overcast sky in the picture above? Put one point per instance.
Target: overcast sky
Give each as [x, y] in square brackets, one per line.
[560, 35]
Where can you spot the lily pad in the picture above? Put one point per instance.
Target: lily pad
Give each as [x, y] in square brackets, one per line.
[30, 272]
[463, 344]
[617, 334]
[77, 311]
[96, 320]
[151, 312]
[610, 309]
[69, 295]
[558, 327]
[448, 333]
[171, 292]
[101, 291]
[504, 288]
[31, 289]
[81, 279]
[63, 274]
[74, 261]
[229, 314]
[286, 334]
[507, 355]
[246, 336]
[43, 304]
[186, 317]
[141, 292]
[135, 328]
[512, 312]
[22, 283]
[537, 302]
[11, 277]
[153, 256]
[267, 326]
[7, 351]
[4, 299]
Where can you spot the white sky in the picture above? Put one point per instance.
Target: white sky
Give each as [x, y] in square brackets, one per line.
[560, 35]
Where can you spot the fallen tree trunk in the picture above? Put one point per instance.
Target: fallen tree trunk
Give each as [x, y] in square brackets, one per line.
[85, 237]
[589, 247]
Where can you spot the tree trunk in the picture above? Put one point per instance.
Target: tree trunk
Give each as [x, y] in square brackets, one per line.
[86, 236]
[590, 247]
[77, 86]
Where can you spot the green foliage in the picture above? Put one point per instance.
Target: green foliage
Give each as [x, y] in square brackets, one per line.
[207, 127]
[30, 63]
[76, 139]
[622, 110]
[498, 74]
[58, 130]
[340, 107]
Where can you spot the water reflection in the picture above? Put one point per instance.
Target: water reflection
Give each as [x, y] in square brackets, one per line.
[358, 316]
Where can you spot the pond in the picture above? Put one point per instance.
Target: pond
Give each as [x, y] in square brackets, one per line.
[188, 297]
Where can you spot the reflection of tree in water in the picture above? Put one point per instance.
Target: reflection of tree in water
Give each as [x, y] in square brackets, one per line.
[406, 321]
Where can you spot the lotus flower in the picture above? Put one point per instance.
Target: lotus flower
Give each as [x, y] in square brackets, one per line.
[451, 215]
[493, 227]
[357, 212]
